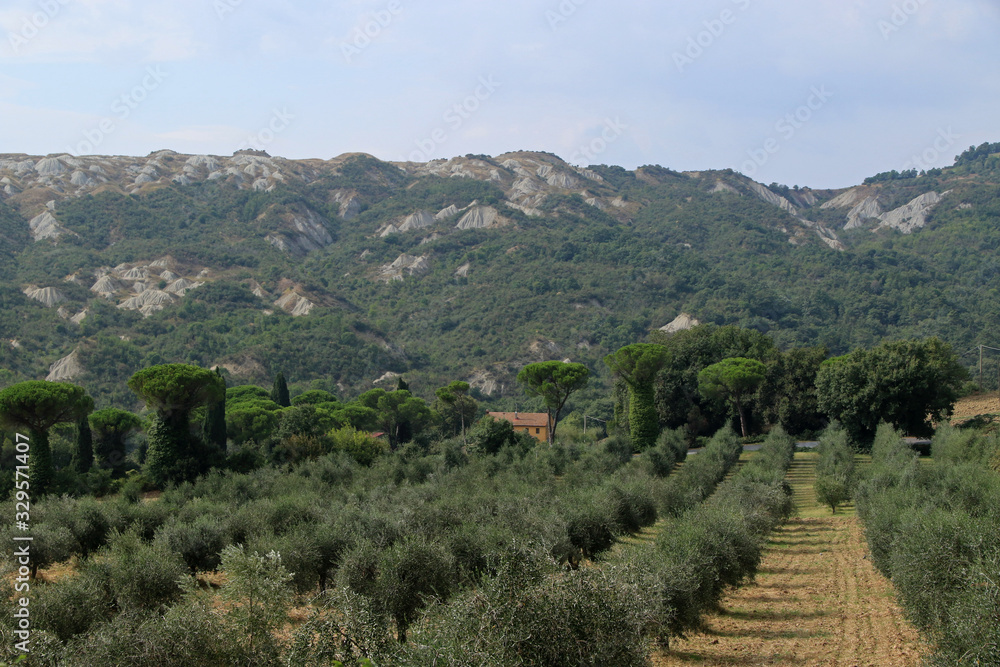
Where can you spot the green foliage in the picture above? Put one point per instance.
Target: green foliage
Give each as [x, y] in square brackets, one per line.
[176, 388]
[489, 436]
[258, 592]
[361, 446]
[732, 379]
[554, 382]
[909, 384]
[37, 406]
[279, 391]
[835, 475]
[84, 456]
[932, 530]
[112, 427]
[638, 365]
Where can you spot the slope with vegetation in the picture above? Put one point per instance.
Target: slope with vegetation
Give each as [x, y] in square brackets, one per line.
[343, 271]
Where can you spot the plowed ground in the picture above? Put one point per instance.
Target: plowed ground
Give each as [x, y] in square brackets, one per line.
[816, 601]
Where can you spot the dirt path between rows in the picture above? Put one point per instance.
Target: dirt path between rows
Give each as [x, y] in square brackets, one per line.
[816, 601]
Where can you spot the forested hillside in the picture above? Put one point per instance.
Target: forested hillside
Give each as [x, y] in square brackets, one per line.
[340, 273]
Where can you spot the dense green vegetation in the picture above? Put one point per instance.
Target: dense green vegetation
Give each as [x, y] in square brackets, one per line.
[577, 276]
[932, 530]
[406, 561]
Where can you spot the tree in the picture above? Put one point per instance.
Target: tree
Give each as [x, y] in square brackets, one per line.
[111, 427]
[638, 365]
[259, 595]
[84, 445]
[679, 403]
[456, 397]
[732, 379]
[909, 384]
[400, 415]
[173, 391]
[553, 382]
[37, 406]
[279, 391]
[215, 418]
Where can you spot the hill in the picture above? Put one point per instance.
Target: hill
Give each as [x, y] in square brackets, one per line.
[348, 271]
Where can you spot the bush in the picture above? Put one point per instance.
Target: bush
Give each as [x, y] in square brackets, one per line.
[141, 576]
[198, 543]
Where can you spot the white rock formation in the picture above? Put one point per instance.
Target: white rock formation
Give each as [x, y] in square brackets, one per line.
[405, 265]
[181, 286]
[136, 273]
[50, 166]
[463, 271]
[479, 217]
[417, 220]
[295, 304]
[49, 296]
[105, 286]
[913, 215]
[45, 226]
[867, 209]
[67, 368]
[771, 198]
[446, 212]
[302, 235]
[148, 302]
[682, 322]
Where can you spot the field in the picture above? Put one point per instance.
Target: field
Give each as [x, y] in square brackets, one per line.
[973, 406]
[816, 601]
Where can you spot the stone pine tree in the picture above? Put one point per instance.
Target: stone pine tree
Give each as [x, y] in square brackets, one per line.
[553, 382]
[279, 391]
[111, 428]
[37, 406]
[637, 365]
[172, 391]
[732, 379]
[456, 397]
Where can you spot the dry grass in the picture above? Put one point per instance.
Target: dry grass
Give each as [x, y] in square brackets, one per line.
[816, 601]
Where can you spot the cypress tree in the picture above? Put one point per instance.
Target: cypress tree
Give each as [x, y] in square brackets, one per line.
[279, 391]
[84, 445]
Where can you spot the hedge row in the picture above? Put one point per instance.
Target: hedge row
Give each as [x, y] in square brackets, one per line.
[932, 529]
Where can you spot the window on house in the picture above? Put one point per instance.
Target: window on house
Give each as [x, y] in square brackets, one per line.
[537, 431]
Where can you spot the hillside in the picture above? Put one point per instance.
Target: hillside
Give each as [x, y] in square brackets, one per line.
[348, 271]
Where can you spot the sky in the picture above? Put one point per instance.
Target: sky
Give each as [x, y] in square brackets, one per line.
[818, 93]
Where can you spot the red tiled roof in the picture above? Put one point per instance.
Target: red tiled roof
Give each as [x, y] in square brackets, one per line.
[523, 418]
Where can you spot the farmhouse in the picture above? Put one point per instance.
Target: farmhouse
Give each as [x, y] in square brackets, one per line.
[536, 424]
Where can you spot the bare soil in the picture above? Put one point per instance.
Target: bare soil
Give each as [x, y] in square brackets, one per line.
[816, 601]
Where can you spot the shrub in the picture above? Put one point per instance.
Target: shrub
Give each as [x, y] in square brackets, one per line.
[198, 543]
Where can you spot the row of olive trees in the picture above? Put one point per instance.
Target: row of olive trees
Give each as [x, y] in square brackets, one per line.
[385, 540]
[933, 531]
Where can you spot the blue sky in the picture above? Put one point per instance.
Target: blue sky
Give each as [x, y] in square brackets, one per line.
[819, 93]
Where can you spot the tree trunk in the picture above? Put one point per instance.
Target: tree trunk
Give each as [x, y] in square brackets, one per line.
[551, 426]
[743, 419]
